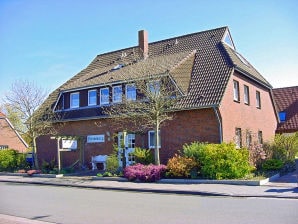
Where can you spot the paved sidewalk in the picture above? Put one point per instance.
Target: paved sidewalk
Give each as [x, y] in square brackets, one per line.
[284, 187]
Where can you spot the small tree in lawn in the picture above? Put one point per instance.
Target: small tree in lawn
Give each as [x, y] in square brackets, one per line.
[24, 100]
[151, 107]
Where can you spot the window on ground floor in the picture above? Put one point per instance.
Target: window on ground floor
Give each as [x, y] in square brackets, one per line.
[151, 139]
[238, 137]
[260, 137]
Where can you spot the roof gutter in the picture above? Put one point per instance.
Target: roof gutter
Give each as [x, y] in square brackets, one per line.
[251, 77]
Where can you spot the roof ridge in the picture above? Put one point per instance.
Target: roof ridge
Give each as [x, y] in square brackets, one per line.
[190, 34]
[287, 87]
[163, 40]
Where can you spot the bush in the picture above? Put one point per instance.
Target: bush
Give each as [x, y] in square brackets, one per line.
[11, 160]
[143, 156]
[180, 166]
[144, 173]
[220, 161]
[272, 165]
[112, 164]
[285, 147]
[49, 167]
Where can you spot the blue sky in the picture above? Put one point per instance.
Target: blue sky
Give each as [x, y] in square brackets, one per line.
[49, 41]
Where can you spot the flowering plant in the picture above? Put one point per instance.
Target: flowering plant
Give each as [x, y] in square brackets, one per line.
[144, 173]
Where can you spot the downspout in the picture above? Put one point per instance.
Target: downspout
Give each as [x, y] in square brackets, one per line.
[219, 124]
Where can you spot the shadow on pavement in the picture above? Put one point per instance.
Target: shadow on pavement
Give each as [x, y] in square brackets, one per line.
[279, 190]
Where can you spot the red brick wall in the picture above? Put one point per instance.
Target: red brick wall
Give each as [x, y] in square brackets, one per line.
[186, 127]
[247, 117]
[9, 137]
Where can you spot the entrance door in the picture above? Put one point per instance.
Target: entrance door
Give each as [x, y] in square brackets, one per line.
[129, 148]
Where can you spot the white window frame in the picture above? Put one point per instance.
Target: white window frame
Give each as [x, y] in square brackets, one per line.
[131, 96]
[238, 137]
[154, 87]
[258, 99]
[106, 102]
[92, 103]
[72, 101]
[116, 97]
[236, 91]
[151, 145]
[246, 95]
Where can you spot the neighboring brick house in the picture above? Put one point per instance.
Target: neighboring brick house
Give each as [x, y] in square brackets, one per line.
[224, 98]
[9, 137]
[286, 100]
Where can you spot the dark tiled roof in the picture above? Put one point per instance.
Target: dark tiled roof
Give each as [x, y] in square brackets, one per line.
[243, 65]
[200, 64]
[286, 100]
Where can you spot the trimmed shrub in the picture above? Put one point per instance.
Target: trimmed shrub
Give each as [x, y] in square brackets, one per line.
[11, 160]
[143, 156]
[183, 167]
[220, 161]
[144, 173]
[272, 165]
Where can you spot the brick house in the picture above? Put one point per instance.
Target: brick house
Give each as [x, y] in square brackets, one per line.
[223, 97]
[286, 100]
[9, 137]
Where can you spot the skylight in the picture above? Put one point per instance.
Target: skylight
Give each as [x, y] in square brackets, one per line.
[242, 59]
[118, 67]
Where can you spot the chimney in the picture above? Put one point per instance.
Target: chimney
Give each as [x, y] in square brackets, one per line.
[143, 42]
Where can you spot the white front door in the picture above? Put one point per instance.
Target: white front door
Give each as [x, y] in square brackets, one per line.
[129, 148]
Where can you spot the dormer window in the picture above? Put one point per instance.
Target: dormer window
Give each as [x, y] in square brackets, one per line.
[154, 87]
[92, 97]
[131, 93]
[75, 100]
[117, 94]
[104, 96]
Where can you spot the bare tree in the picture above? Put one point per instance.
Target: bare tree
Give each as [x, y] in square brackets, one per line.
[153, 105]
[24, 99]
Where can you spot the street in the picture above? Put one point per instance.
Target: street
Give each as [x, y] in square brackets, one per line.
[70, 205]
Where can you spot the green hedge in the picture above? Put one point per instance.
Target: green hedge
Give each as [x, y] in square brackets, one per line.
[11, 160]
[219, 161]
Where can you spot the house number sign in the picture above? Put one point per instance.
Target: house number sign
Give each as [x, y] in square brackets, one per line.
[95, 138]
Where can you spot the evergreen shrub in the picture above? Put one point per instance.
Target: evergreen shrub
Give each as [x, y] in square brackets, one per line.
[220, 161]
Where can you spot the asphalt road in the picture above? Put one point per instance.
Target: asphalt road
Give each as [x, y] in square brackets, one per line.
[76, 205]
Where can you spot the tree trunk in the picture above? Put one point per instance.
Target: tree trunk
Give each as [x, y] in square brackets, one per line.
[156, 150]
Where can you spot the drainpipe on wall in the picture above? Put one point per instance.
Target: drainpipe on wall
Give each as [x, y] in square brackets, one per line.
[219, 124]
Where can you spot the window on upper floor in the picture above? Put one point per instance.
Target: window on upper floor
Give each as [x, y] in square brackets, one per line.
[246, 94]
[236, 91]
[92, 97]
[258, 99]
[117, 94]
[282, 116]
[238, 137]
[154, 88]
[104, 96]
[75, 100]
[131, 93]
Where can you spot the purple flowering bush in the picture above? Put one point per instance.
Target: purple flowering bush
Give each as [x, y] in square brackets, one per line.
[144, 173]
